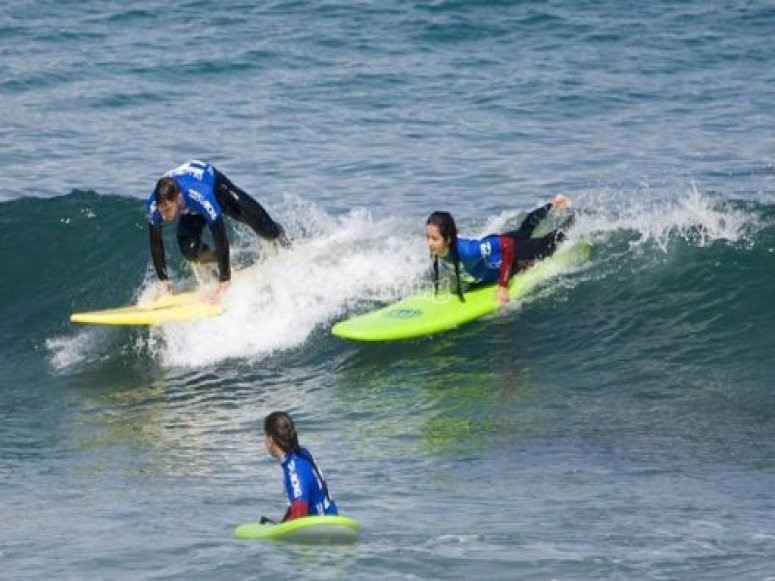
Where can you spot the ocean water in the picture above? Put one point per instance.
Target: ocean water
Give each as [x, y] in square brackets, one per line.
[617, 423]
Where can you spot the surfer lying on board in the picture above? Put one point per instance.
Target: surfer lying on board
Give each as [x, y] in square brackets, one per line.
[304, 483]
[495, 257]
[197, 194]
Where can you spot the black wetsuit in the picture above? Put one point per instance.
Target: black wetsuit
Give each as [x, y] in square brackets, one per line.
[207, 195]
[526, 249]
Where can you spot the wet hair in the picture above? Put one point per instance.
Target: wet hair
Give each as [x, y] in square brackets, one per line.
[167, 190]
[279, 426]
[448, 230]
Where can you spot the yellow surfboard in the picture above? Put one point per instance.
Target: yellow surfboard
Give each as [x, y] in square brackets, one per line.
[180, 307]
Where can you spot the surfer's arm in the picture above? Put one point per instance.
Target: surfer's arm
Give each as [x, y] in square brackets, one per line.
[297, 509]
[218, 228]
[507, 259]
[157, 251]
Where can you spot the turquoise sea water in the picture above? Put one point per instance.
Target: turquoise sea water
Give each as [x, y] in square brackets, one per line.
[619, 423]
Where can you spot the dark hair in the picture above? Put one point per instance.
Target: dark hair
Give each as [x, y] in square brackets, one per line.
[448, 230]
[167, 189]
[279, 426]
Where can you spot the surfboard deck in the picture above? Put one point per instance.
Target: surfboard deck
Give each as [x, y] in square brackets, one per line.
[310, 529]
[179, 307]
[427, 313]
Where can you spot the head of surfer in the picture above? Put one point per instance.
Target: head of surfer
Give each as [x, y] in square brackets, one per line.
[440, 233]
[169, 198]
[280, 435]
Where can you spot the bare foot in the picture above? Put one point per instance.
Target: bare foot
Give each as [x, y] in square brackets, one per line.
[560, 201]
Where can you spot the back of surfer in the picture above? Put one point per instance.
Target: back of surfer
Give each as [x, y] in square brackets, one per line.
[198, 195]
[495, 257]
[305, 486]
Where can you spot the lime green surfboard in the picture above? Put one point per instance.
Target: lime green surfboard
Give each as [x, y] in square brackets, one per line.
[309, 529]
[427, 313]
[180, 307]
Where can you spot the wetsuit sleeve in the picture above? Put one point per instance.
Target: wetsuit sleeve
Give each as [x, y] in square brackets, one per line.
[297, 487]
[157, 251]
[218, 229]
[507, 259]
[298, 509]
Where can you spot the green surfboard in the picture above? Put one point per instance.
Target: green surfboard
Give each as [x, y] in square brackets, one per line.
[427, 313]
[309, 529]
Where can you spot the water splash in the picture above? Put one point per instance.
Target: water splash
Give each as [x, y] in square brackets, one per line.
[694, 217]
[276, 304]
[340, 263]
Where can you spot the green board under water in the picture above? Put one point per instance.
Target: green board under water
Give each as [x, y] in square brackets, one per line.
[309, 529]
[427, 313]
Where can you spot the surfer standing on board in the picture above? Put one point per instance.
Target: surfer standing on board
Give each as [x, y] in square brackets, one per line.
[304, 483]
[198, 195]
[495, 257]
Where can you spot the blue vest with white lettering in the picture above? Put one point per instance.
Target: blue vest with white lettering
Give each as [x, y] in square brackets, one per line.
[480, 259]
[301, 483]
[197, 183]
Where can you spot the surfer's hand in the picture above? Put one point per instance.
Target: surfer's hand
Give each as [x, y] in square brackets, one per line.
[217, 296]
[162, 289]
[502, 294]
[560, 201]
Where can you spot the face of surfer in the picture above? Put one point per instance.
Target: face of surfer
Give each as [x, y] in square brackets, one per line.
[170, 209]
[271, 446]
[440, 233]
[437, 244]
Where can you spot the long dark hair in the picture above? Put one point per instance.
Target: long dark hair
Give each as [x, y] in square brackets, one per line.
[279, 426]
[448, 230]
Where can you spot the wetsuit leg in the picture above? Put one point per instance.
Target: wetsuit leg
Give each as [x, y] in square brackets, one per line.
[190, 228]
[530, 222]
[237, 204]
[528, 250]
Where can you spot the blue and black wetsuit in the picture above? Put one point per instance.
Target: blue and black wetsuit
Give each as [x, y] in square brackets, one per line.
[495, 258]
[207, 196]
[305, 487]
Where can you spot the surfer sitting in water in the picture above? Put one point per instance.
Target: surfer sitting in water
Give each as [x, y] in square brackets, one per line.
[197, 194]
[494, 257]
[304, 483]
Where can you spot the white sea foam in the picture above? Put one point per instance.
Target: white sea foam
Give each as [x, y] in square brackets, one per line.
[691, 216]
[340, 262]
[277, 303]
[67, 351]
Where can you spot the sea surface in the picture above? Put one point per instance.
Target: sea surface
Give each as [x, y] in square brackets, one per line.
[618, 423]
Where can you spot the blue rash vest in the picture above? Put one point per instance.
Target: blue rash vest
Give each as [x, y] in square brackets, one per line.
[480, 259]
[197, 183]
[302, 483]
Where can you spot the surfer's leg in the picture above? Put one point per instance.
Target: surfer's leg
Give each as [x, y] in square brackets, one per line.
[530, 222]
[528, 250]
[190, 228]
[239, 205]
